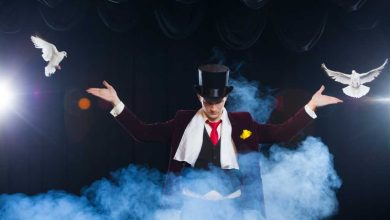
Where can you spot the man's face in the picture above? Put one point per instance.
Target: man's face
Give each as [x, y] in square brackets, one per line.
[213, 110]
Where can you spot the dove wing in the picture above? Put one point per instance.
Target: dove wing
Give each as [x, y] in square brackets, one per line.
[47, 48]
[372, 74]
[337, 76]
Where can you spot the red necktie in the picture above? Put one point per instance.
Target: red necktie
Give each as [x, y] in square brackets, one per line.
[214, 133]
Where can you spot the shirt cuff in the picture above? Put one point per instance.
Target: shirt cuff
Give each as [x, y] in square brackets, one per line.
[117, 109]
[310, 112]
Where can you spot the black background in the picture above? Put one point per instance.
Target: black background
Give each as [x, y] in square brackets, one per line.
[47, 143]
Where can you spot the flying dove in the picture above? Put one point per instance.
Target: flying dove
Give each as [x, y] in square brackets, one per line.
[50, 54]
[355, 80]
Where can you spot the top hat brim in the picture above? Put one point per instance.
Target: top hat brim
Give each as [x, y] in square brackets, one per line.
[213, 95]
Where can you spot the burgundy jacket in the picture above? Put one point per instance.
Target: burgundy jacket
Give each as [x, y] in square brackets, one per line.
[172, 131]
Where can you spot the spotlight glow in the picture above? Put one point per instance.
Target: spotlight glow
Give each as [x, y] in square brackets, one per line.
[84, 103]
[6, 96]
[382, 99]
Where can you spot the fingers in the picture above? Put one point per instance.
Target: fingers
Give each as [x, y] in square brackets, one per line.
[93, 91]
[105, 83]
[321, 89]
[334, 100]
[90, 90]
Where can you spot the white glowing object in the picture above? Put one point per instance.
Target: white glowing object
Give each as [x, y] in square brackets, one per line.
[6, 96]
[381, 99]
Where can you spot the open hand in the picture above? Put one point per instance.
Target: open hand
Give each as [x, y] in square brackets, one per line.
[319, 100]
[108, 94]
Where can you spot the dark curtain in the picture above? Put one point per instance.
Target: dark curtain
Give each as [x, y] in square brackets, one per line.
[51, 3]
[255, 4]
[367, 17]
[10, 17]
[118, 1]
[299, 25]
[385, 20]
[350, 5]
[178, 20]
[239, 27]
[238, 23]
[64, 15]
[118, 16]
[188, 1]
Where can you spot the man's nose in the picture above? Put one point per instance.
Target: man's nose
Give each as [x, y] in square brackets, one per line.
[213, 107]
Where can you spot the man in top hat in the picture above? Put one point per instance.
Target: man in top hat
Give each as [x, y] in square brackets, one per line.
[211, 135]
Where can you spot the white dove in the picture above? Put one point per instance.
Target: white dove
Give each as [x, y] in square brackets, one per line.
[355, 80]
[49, 54]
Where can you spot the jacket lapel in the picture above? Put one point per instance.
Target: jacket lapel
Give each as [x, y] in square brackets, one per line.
[239, 124]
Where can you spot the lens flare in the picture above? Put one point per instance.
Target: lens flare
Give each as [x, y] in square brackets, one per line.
[84, 103]
[6, 96]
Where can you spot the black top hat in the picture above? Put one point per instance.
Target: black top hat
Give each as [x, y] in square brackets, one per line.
[213, 82]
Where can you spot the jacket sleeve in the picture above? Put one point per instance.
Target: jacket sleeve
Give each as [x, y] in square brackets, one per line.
[144, 132]
[284, 132]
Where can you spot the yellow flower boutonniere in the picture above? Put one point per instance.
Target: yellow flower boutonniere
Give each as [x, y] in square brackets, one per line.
[245, 134]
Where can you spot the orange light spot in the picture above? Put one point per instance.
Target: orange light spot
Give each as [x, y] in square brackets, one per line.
[84, 103]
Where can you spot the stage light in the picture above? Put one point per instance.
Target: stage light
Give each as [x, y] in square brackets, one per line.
[6, 96]
[382, 100]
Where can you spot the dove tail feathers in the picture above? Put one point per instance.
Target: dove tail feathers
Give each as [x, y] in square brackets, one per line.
[49, 70]
[356, 92]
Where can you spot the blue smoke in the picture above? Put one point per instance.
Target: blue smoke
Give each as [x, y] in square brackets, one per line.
[52, 205]
[132, 193]
[217, 56]
[298, 184]
[246, 96]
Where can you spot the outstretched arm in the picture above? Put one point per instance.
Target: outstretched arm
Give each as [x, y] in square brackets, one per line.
[108, 94]
[271, 133]
[140, 131]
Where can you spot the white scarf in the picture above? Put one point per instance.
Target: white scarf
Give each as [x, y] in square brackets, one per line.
[191, 142]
